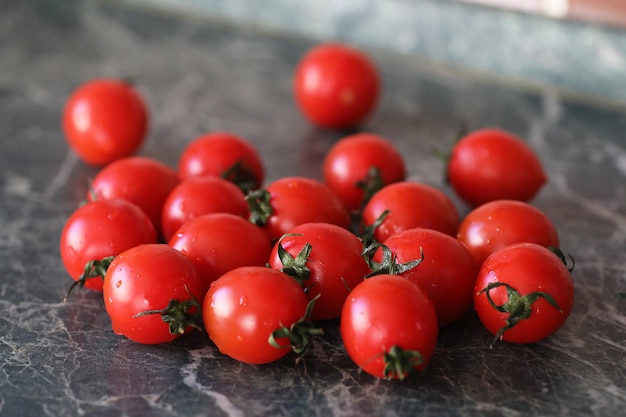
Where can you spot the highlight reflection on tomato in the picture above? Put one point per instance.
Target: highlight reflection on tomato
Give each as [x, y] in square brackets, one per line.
[497, 224]
[523, 293]
[104, 120]
[98, 230]
[336, 86]
[245, 306]
[152, 294]
[389, 326]
[493, 164]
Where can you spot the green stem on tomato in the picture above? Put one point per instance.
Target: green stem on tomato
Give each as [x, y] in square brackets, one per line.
[300, 334]
[389, 263]
[178, 315]
[93, 269]
[367, 232]
[519, 307]
[259, 206]
[241, 175]
[295, 266]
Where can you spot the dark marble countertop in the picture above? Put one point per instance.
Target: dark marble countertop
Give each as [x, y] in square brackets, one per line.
[62, 359]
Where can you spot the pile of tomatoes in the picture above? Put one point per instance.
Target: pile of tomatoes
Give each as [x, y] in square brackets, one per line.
[262, 267]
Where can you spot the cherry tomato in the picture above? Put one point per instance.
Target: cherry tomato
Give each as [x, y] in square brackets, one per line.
[97, 231]
[246, 306]
[389, 326]
[290, 201]
[492, 164]
[500, 223]
[359, 165]
[410, 204]
[446, 273]
[216, 243]
[196, 196]
[327, 260]
[523, 293]
[152, 293]
[223, 154]
[140, 180]
[336, 86]
[105, 120]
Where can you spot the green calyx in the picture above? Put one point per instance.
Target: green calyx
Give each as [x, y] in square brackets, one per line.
[93, 269]
[399, 363]
[389, 263]
[259, 206]
[241, 175]
[372, 182]
[295, 266]
[300, 334]
[568, 260]
[178, 315]
[445, 156]
[519, 307]
[367, 232]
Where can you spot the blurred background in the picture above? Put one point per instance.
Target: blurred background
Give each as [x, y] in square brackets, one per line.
[576, 46]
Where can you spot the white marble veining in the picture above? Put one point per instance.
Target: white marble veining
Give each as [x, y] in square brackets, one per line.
[63, 359]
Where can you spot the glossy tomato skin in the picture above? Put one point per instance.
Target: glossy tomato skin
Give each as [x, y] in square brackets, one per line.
[216, 243]
[146, 278]
[528, 268]
[336, 86]
[411, 204]
[143, 181]
[297, 200]
[497, 224]
[104, 120]
[100, 229]
[335, 262]
[245, 306]
[492, 164]
[350, 161]
[447, 272]
[215, 153]
[196, 196]
[385, 311]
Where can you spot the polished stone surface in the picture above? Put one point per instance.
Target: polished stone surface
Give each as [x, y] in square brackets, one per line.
[62, 359]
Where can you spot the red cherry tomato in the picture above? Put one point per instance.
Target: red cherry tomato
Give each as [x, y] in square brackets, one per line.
[524, 293]
[492, 164]
[389, 326]
[447, 272]
[196, 196]
[245, 306]
[410, 204]
[152, 293]
[500, 223]
[359, 165]
[98, 230]
[105, 120]
[327, 259]
[336, 86]
[216, 243]
[291, 201]
[223, 154]
[140, 180]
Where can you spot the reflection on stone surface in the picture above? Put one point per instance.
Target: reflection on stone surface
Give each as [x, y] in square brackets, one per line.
[62, 358]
